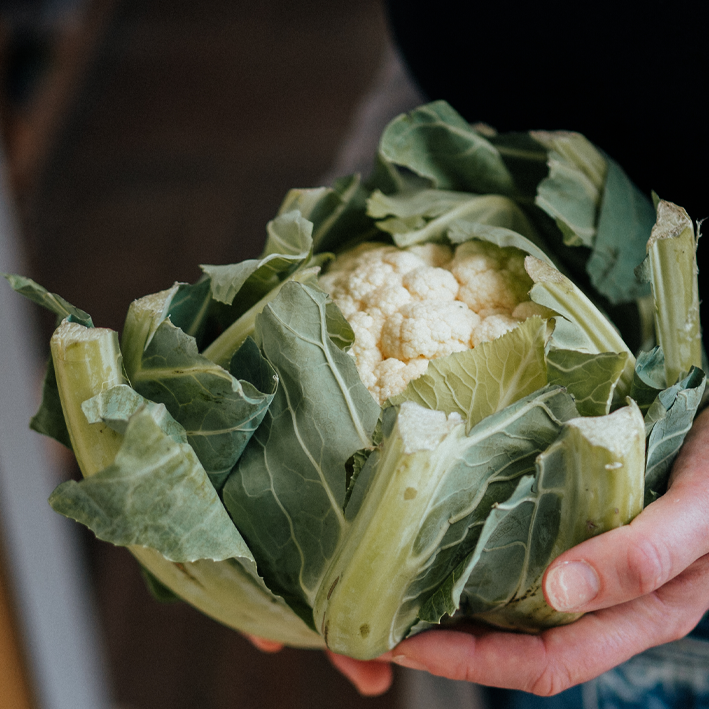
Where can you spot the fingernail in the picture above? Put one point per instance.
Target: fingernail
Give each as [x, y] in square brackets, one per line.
[404, 661]
[572, 585]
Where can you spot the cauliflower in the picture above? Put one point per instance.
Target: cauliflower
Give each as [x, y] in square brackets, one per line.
[409, 306]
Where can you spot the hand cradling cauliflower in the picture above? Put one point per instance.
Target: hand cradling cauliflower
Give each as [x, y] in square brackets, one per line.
[410, 306]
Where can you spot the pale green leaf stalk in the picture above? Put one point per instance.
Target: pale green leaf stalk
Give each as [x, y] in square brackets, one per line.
[88, 362]
[673, 267]
[142, 320]
[358, 608]
[581, 326]
[589, 481]
[226, 592]
[572, 191]
[429, 490]
[222, 349]
[605, 456]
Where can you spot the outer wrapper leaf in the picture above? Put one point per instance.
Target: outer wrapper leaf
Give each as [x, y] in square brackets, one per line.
[649, 378]
[429, 492]
[435, 142]
[624, 224]
[222, 349]
[588, 481]
[49, 419]
[288, 490]
[51, 301]
[485, 379]
[155, 494]
[667, 422]
[116, 406]
[428, 215]
[230, 591]
[219, 412]
[337, 213]
[582, 326]
[288, 245]
[590, 378]
[571, 192]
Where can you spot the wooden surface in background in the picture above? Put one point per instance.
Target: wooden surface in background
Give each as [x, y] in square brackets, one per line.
[14, 687]
[189, 124]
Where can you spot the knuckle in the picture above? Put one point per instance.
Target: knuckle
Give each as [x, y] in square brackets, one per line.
[551, 680]
[680, 625]
[648, 566]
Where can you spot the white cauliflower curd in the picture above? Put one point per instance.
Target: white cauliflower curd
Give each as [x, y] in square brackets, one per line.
[409, 306]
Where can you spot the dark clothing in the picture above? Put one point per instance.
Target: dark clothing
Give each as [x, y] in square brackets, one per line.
[632, 77]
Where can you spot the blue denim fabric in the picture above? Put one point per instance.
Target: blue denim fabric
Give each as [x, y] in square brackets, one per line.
[672, 676]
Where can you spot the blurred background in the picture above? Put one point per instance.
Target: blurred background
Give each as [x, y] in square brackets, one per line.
[140, 139]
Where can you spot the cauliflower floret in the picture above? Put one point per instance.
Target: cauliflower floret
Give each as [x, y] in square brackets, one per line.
[430, 329]
[402, 261]
[374, 273]
[387, 299]
[345, 302]
[491, 281]
[437, 255]
[350, 260]
[430, 283]
[493, 327]
[392, 376]
[486, 290]
[370, 276]
[367, 328]
[408, 306]
[476, 256]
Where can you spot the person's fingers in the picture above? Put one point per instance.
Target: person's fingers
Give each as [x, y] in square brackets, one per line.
[639, 558]
[370, 678]
[562, 657]
[263, 644]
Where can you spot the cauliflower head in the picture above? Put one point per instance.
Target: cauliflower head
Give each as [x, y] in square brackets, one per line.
[409, 306]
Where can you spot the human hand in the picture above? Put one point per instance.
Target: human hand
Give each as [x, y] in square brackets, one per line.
[641, 585]
[370, 678]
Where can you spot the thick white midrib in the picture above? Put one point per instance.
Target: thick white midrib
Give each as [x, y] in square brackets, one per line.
[201, 433]
[513, 385]
[151, 373]
[311, 593]
[317, 467]
[438, 223]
